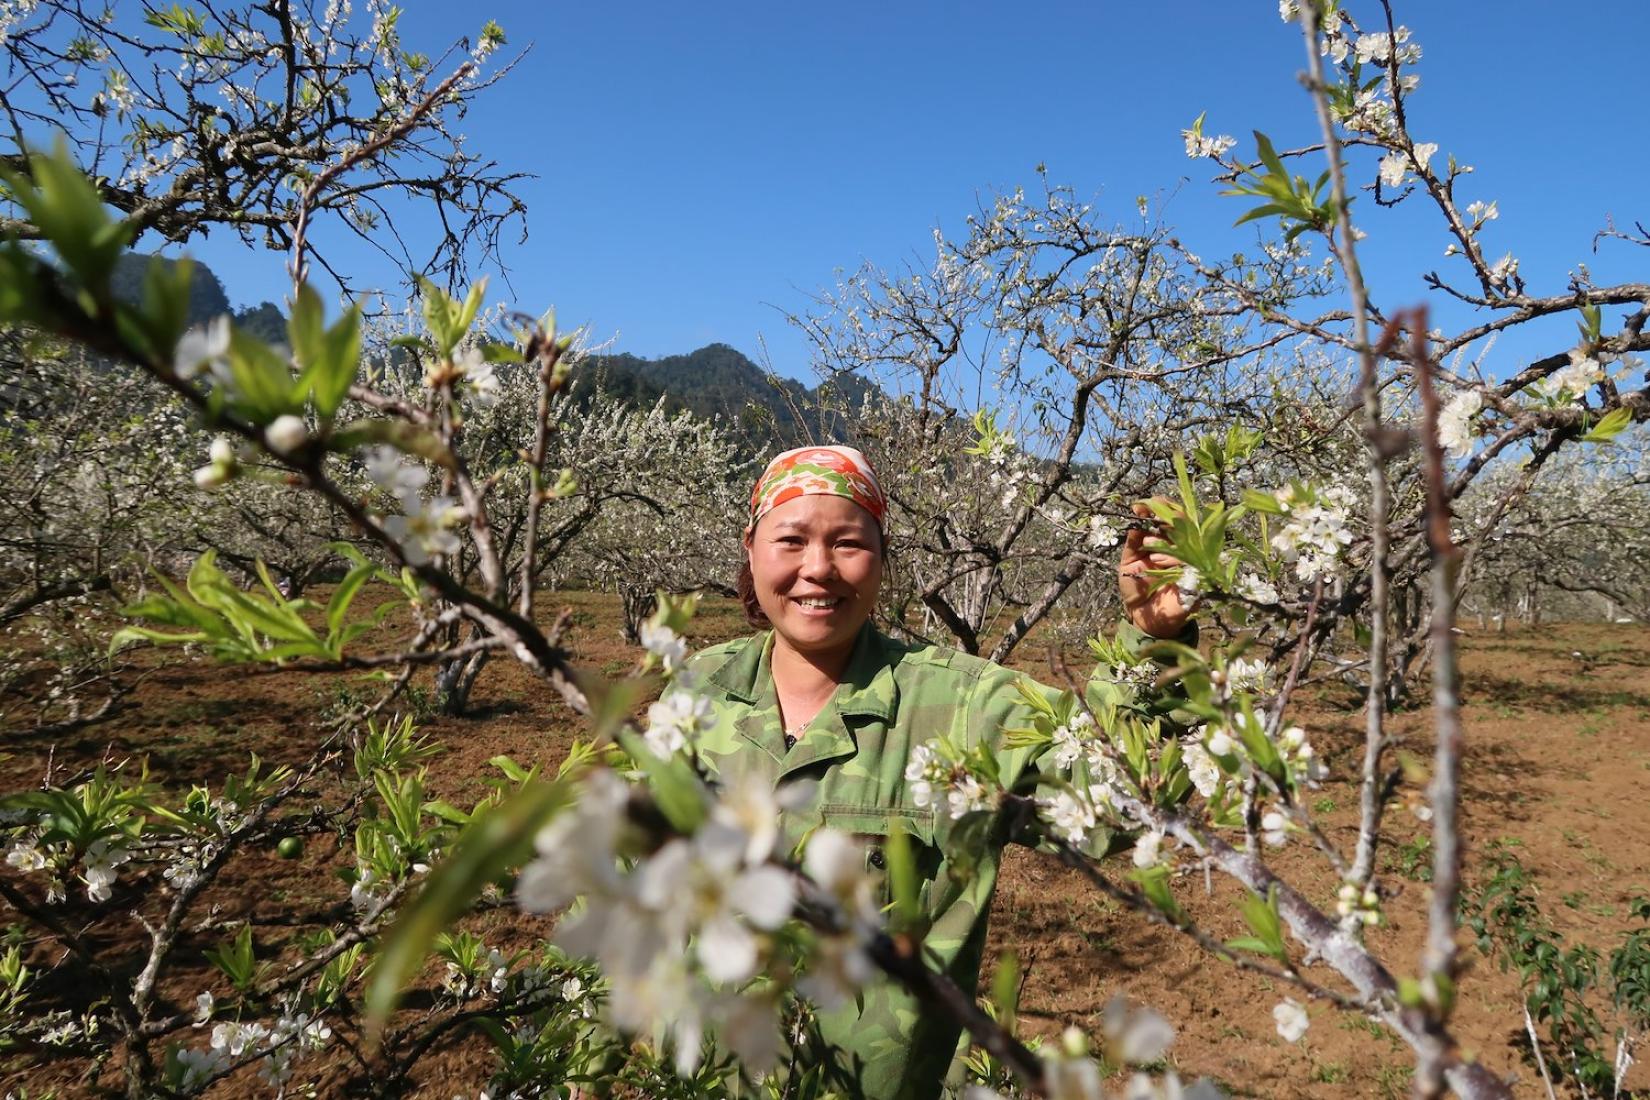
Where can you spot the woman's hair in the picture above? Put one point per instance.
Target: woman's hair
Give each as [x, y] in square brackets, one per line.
[745, 587]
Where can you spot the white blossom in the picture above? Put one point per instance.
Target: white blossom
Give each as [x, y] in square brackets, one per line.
[702, 883]
[287, 434]
[1455, 430]
[675, 721]
[387, 470]
[1393, 169]
[423, 531]
[1251, 586]
[1572, 381]
[1137, 1036]
[479, 377]
[1072, 738]
[1205, 774]
[203, 349]
[1189, 581]
[1146, 848]
[1291, 1019]
[1070, 816]
[1103, 535]
[664, 643]
[1248, 674]
[1315, 531]
[1274, 828]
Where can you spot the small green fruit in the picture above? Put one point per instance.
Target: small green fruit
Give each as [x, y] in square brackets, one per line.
[290, 847]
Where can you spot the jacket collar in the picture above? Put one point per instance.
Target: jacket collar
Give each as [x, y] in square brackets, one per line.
[867, 689]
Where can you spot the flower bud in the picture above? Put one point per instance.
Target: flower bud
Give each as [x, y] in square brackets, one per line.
[222, 451]
[287, 434]
[212, 477]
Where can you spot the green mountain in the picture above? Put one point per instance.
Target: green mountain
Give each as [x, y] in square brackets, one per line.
[717, 380]
[766, 412]
[207, 298]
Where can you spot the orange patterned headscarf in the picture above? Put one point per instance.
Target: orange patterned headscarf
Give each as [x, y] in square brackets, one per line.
[818, 471]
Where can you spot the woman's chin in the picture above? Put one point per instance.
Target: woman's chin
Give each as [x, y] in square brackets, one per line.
[811, 628]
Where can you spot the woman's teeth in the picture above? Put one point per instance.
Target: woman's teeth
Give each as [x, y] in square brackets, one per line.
[821, 604]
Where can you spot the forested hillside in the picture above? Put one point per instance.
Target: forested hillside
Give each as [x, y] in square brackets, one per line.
[717, 380]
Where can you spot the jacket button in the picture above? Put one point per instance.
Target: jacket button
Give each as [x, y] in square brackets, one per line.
[877, 859]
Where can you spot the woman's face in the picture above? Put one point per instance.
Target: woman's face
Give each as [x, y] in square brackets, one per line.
[816, 563]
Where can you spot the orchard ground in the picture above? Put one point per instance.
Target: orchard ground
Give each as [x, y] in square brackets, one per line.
[1557, 760]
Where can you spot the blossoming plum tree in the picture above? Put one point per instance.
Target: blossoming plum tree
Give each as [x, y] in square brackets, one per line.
[683, 922]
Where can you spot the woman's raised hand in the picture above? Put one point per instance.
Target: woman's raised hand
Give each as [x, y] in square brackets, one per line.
[1162, 613]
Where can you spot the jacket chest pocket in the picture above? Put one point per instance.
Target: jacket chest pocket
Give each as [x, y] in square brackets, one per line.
[872, 825]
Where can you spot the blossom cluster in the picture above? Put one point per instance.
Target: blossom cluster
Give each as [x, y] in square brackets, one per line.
[423, 529]
[1455, 421]
[939, 780]
[283, 1044]
[1226, 744]
[1130, 1037]
[1362, 905]
[98, 864]
[1314, 530]
[679, 930]
[1570, 383]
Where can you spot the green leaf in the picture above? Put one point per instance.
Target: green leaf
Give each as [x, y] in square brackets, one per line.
[344, 595]
[1610, 425]
[1257, 501]
[329, 357]
[1154, 884]
[262, 386]
[1269, 155]
[499, 839]
[904, 883]
[1005, 983]
[69, 212]
[513, 771]
[1261, 915]
[677, 790]
[404, 437]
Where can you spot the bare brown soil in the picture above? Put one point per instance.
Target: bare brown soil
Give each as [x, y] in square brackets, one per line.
[1558, 755]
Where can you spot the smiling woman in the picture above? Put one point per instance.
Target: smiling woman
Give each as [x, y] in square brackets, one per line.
[823, 697]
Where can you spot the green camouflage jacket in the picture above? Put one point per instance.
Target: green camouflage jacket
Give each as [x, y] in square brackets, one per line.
[892, 698]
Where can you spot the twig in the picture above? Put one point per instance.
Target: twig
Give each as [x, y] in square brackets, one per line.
[1439, 961]
[549, 354]
[300, 270]
[1363, 864]
[1540, 1061]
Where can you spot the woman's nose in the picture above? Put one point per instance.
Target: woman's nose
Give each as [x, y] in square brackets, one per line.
[817, 561]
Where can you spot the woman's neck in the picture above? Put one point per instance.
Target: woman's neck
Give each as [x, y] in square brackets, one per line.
[808, 675]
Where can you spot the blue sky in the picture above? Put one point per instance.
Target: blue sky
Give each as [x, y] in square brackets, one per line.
[702, 168]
